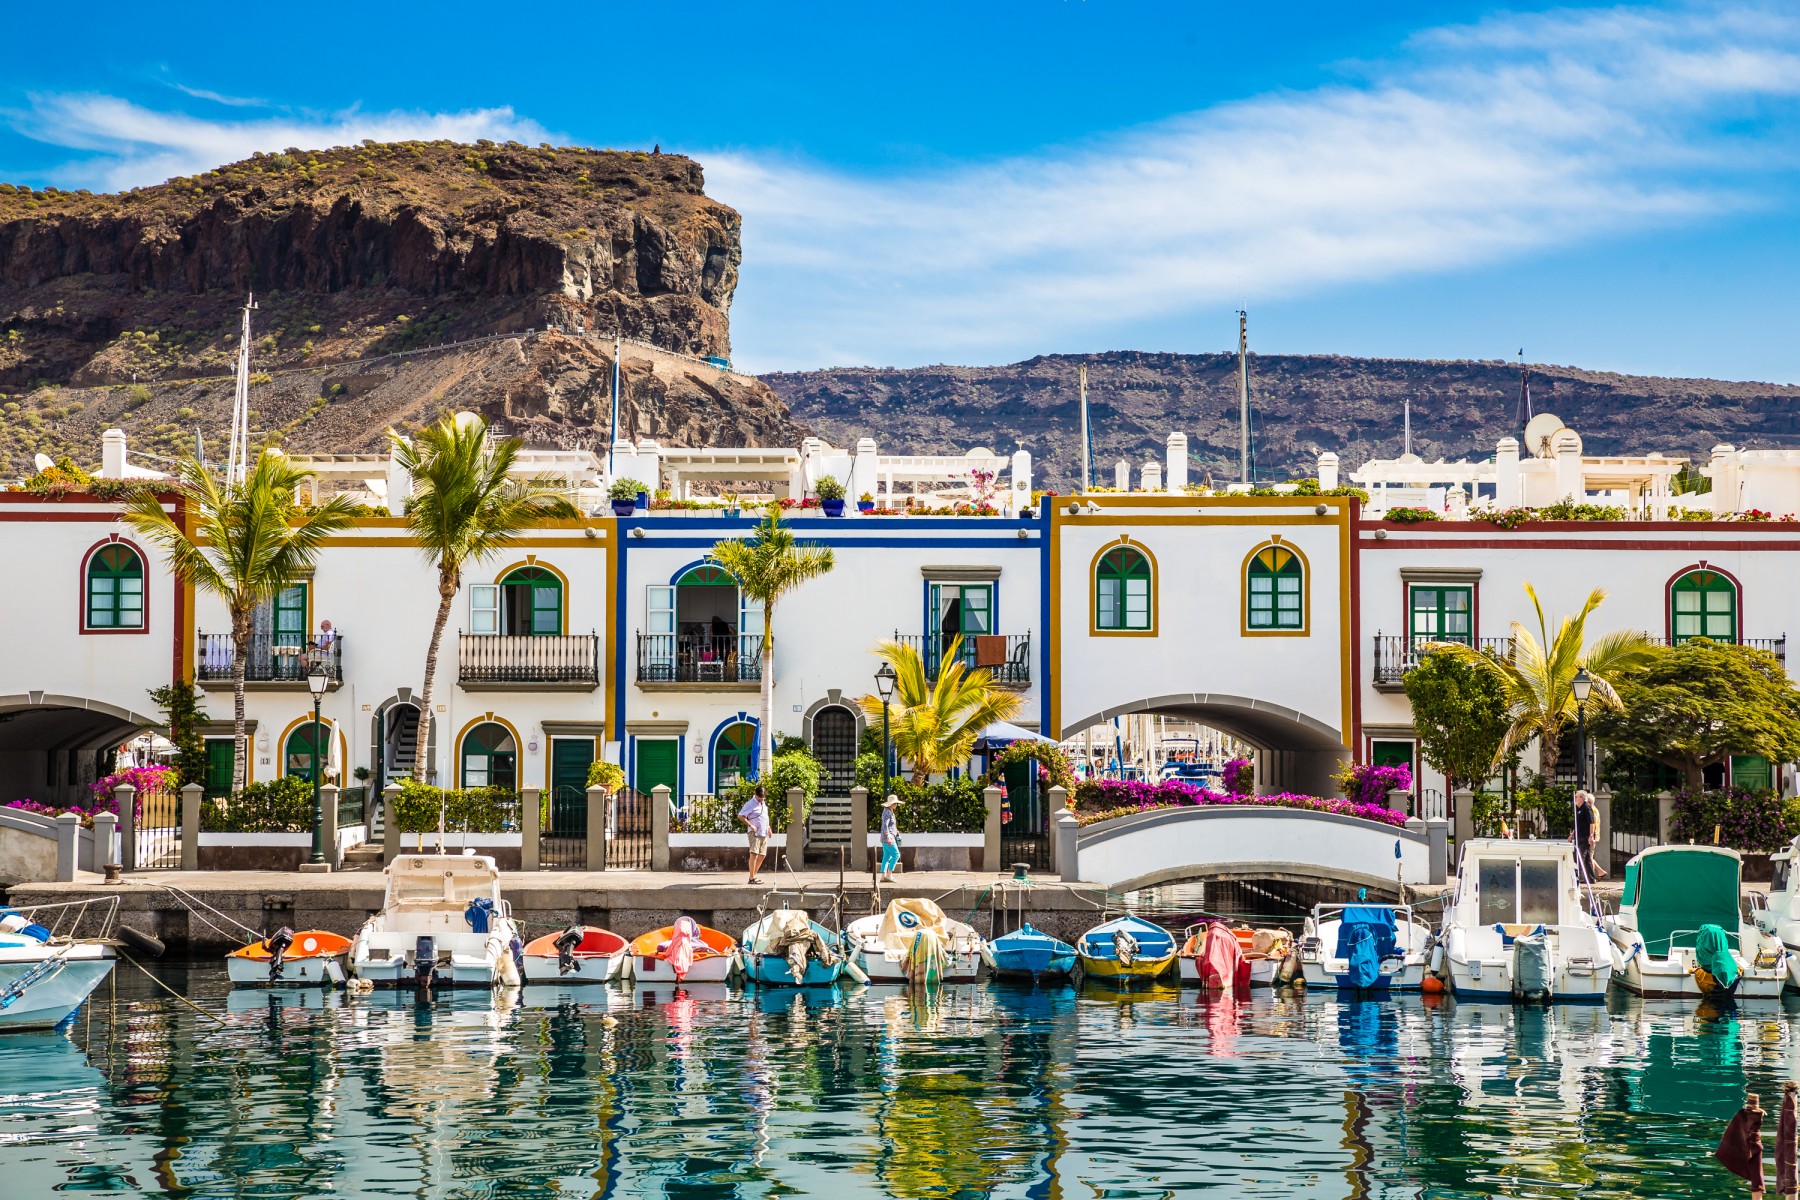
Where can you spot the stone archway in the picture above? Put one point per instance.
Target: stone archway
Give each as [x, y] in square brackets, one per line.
[50, 744]
[392, 731]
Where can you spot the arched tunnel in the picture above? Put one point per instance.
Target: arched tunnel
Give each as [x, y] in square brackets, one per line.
[52, 748]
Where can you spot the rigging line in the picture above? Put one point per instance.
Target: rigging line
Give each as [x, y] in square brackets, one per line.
[189, 898]
[165, 987]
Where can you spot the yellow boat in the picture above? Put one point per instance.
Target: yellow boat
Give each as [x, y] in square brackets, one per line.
[1126, 950]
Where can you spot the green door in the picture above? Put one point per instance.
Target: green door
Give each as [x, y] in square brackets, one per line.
[569, 760]
[1391, 754]
[657, 764]
[1751, 771]
[220, 758]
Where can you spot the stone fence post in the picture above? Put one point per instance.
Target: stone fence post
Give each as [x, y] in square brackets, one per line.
[1465, 816]
[1068, 845]
[1665, 818]
[659, 827]
[125, 796]
[597, 805]
[531, 828]
[191, 796]
[796, 830]
[328, 827]
[68, 846]
[990, 832]
[1437, 843]
[1059, 804]
[1401, 801]
[859, 830]
[106, 826]
[390, 824]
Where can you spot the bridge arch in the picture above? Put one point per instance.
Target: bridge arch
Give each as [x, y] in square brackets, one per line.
[50, 744]
[1296, 752]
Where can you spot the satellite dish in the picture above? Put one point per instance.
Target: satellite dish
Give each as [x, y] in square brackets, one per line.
[1538, 432]
[43, 462]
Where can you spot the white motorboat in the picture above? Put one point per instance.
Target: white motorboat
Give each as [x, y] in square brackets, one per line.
[44, 978]
[305, 959]
[914, 940]
[1680, 932]
[579, 954]
[442, 923]
[1365, 947]
[1777, 914]
[1521, 927]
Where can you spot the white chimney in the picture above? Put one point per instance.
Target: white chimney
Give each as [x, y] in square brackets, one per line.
[112, 454]
[1177, 454]
[1328, 471]
[1122, 475]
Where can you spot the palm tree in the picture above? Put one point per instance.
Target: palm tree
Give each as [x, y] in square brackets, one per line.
[767, 566]
[243, 542]
[1537, 678]
[464, 508]
[940, 718]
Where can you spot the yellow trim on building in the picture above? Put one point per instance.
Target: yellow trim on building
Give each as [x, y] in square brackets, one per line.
[610, 527]
[456, 746]
[280, 750]
[1274, 547]
[531, 560]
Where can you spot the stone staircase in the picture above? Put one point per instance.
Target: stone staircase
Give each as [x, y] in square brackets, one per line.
[366, 857]
[828, 827]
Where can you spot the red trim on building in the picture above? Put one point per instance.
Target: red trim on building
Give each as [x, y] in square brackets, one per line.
[1505, 543]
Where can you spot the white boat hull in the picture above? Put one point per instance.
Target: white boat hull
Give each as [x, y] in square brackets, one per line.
[715, 969]
[880, 967]
[1407, 976]
[588, 968]
[1262, 970]
[1672, 979]
[490, 966]
[1493, 980]
[53, 998]
[321, 971]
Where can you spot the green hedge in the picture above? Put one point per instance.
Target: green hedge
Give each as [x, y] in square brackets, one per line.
[472, 810]
[947, 806]
[282, 805]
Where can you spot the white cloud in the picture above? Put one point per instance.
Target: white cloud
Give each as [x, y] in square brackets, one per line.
[129, 145]
[1477, 144]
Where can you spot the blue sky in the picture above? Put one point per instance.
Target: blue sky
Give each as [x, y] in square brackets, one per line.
[1610, 186]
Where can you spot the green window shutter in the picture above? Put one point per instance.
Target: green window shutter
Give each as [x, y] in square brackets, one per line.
[1275, 590]
[1442, 614]
[305, 748]
[539, 594]
[656, 764]
[1122, 590]
[221, 758]
[115, 587]
[1751, 771]
[733, 755]
[489, 757]
[1703, 604]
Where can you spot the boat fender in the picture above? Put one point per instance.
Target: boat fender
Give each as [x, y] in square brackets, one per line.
[854, 971]
[479, 914]
[139, 940]
[987, 957]
[517, 946]
[424, 961]
[1437, 960]
[277, 944]
[334, 972]
[565, 944]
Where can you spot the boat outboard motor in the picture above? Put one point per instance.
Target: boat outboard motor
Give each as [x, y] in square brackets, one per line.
[1126, 947]
[425, 962]
[277, 944]
[1531, 966]
[567, 942]
[479, 914]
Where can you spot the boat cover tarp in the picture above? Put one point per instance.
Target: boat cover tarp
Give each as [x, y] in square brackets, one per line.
[790, 934]
[1365, 937]
[1681, 888]
[684, 941]
[1712, 952]
[1222, 964]
[906, 918]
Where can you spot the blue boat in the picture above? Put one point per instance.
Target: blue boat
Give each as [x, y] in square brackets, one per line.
[1027, 952]
[775, 944]
[1126, 950]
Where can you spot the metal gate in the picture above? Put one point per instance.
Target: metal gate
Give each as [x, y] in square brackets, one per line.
[1024, 820]
[563, 840]
[1636, 821]
[156, 839]
[628, 831]
[834, 745]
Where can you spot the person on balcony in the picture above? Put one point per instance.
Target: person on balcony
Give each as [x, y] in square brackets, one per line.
[327, 637]
[755, 816]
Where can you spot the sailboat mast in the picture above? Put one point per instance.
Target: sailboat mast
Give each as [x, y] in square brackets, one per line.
[1408, 443]
[237, 459]
[1243, 396]
[1087, 440]
[612, 435]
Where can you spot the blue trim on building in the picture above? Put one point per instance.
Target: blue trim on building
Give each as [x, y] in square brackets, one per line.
[712, 746]
[1045, 683]
[675, 579]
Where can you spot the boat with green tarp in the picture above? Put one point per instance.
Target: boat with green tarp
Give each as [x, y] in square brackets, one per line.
[1680, 931]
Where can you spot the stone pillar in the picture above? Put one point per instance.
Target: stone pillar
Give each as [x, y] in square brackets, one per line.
[68, 846]
[1724, 480]
[191, 796]
[1603, 823]
[863, 476]
[598, 805]
[328, 831]
[531, 828]
[1328, 471]
[1176, 455]
[1122, 475]
[796, 830]
[1508, 489]
[1021, 481]
[1465, 816]
[1068, 850]
[106, 828]
[859, 830]
[1665, 818]
[1152, 477]
[112, 454]
[1059, 803]
[1571, 484]
[1401, 801]
[659, 827]
[126, 797]
[390, 823]
[1437, 833]
[990, 833]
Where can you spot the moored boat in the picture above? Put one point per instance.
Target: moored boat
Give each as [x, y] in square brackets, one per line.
[44, 978]
[305, 959]
[1028, 953]
[1679, 931]
[785, 948]
[1125, 950]
[1264, 950]
[913, 941]
[1365, 947]
[1777, 913]
[686, 951]
[442, 923]
[579, 954]
[1518, 926]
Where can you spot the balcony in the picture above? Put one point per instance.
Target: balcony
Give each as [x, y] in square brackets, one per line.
[1007, 657]
[276, 662]
[1395, 655]
[681, 662]
[523, 663]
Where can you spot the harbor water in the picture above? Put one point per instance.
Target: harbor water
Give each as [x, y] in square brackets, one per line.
[985, 1090]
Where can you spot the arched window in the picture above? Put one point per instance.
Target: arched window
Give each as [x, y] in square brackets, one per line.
[1274, 591]
[1123, 591]
[1703, 603]
[308, 749]
[531, 602]
[734, 755]
[490, 757]
[115, 588]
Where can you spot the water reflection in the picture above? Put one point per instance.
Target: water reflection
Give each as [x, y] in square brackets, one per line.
[981, 1090]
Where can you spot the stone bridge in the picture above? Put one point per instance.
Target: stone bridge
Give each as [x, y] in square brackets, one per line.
[1170, 845]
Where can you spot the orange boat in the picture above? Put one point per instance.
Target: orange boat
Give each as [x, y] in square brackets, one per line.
[579, 954]
[686, 951]
[310, 957]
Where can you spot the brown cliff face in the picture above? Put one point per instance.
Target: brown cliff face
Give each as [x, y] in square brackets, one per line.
[114, 308]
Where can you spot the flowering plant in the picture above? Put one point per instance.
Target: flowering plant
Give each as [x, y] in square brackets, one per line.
[1746, 819]
[1104, 799]
[1367, 783]
[153, 778]
[1239, 777]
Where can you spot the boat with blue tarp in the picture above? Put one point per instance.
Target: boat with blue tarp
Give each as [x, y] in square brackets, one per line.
[1365, 947]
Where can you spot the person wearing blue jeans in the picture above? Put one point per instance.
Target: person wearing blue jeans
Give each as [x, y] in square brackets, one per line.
[890, 838]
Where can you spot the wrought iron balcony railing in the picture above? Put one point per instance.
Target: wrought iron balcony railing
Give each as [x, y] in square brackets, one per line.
[699, 658]
[1005, 656]
[569, 658]
[272, 658]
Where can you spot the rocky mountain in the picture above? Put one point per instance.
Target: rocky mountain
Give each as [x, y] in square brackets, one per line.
[376, 269]
[1301, 405]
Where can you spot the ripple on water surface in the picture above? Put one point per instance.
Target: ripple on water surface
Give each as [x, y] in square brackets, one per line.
[987, 1091]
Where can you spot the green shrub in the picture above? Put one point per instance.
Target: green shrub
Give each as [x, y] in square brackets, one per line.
[471, 810]
[947, 806]
[282, 805]
[610, 776]
[795, 769]
[828, 488]
[624, 489]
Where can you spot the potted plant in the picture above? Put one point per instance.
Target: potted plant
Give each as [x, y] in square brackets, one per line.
[831, 495]
[865, 503]
[732, 506]
[624, 496]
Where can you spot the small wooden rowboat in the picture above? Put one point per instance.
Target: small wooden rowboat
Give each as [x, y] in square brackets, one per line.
[310, 957]
[579, 954]
[1026, 953]
[1126, 950]
[686, 951]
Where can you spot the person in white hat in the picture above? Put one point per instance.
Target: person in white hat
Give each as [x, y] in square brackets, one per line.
[890, 838]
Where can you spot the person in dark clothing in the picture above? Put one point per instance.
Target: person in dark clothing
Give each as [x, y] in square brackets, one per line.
[1585, 834]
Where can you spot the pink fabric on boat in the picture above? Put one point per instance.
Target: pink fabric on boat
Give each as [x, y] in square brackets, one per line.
[1222, 963]
[683, 944]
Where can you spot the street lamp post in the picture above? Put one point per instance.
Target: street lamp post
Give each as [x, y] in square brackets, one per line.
[1582, 685]
[316, 681]
[885, 679]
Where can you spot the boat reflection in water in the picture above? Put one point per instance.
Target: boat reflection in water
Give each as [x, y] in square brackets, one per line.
[1010, 1091]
